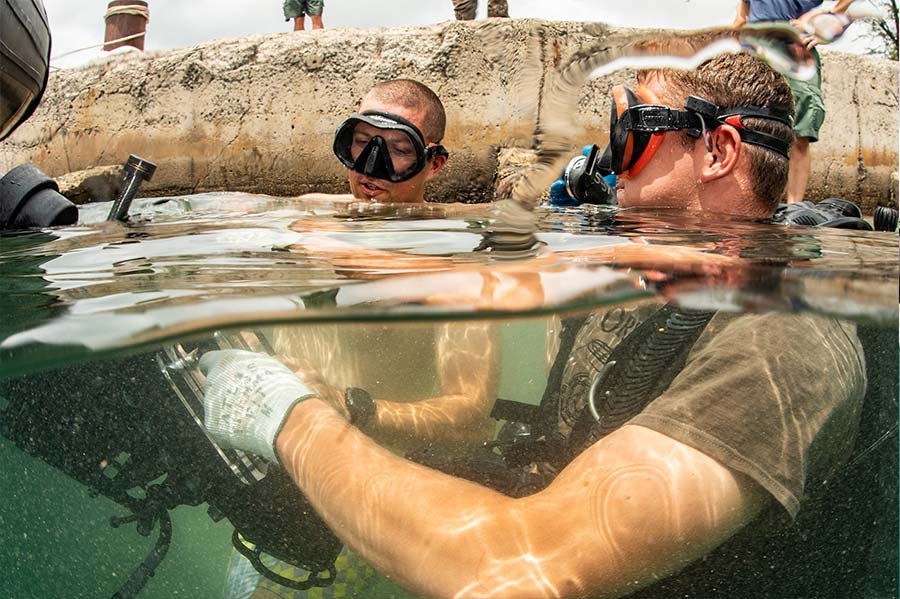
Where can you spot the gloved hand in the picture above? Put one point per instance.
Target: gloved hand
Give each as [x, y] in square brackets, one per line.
[247, 398]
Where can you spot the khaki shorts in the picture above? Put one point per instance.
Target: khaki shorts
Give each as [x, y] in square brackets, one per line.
[809, 110]
[300, 8]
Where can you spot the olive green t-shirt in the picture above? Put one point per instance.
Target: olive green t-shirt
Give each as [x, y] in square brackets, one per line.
[775, 396]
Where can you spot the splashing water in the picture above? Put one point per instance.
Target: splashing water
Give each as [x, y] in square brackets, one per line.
[828, 27]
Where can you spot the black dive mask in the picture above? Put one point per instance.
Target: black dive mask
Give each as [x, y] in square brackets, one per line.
[397, 154]
[638, 124]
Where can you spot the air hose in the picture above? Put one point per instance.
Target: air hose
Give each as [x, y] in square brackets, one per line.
[639, 369]
[29, 199]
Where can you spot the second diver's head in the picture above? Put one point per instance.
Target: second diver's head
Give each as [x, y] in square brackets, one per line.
[713, 139]
[391, 148]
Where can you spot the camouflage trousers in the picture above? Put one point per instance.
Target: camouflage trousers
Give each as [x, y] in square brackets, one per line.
[465, 9]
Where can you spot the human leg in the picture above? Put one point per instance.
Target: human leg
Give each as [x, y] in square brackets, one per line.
[498, 8]
[294, 9]
[799, 170]
[465, 9]
[809, 115]
[314, 10]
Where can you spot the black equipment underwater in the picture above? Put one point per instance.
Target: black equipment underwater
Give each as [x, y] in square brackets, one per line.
[24, 61]
[125, 435]
[639, 369]
[584, 178]
[831, 212]
[638, 124]
[137, 170]
[30, 199]
[382, 145]
[530, 449]
[360, 406]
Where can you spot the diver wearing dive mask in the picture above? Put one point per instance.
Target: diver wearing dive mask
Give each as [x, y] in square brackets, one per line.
[674, 171]
[388, 156]
[387, 146]
[638, 124]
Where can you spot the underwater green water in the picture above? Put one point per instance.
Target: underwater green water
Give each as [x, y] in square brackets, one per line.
[59, 543]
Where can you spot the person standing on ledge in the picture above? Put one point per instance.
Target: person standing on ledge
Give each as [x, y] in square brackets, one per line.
[298, 9]
[810, 106]
[465, 9]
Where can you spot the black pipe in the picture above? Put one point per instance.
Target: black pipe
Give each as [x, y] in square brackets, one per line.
[137, 170]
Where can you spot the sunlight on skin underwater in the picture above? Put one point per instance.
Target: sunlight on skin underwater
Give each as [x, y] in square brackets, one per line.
[531, 560]
[409, 414]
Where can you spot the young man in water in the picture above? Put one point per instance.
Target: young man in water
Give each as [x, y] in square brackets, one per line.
[392, 146]
[682, 500]
[391, 149]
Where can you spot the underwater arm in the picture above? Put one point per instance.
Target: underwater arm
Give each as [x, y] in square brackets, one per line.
[467, 357]
[633, 508]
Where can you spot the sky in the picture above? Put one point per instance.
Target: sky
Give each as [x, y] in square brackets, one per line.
[180, 23]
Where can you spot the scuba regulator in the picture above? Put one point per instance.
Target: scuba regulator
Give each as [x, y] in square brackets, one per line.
[587, 179]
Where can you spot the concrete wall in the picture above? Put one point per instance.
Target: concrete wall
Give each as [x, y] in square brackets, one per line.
[258, 113]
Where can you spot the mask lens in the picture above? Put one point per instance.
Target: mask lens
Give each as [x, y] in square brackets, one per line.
[401, 151]
[619, 138]
[381, 146]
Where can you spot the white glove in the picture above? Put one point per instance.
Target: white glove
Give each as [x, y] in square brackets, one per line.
[247, 398]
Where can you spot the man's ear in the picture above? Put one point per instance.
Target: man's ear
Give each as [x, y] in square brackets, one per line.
[435, 165]
[722, 159]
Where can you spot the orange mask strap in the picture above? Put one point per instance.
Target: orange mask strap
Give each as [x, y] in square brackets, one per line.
[655, 138]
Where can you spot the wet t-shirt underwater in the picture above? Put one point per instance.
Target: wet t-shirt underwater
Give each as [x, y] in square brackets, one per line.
[774, 396]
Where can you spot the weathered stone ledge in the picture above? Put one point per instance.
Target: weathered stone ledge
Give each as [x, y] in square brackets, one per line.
[258, 113]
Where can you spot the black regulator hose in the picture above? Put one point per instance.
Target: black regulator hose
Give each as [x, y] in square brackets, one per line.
[639, 369]
[144, 572]
[29, 199]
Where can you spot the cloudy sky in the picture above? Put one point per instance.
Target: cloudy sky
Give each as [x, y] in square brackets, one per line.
[178, 23]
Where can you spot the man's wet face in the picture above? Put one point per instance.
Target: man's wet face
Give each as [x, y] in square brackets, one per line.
[368, 188]
[669, 180]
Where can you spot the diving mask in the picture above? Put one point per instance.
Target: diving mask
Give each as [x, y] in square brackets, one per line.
[638, 124]
[382, 145]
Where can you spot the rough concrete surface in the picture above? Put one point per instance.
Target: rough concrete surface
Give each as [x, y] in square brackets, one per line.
[258, 113]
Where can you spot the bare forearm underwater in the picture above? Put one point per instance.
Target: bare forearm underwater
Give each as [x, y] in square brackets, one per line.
[634, 507]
